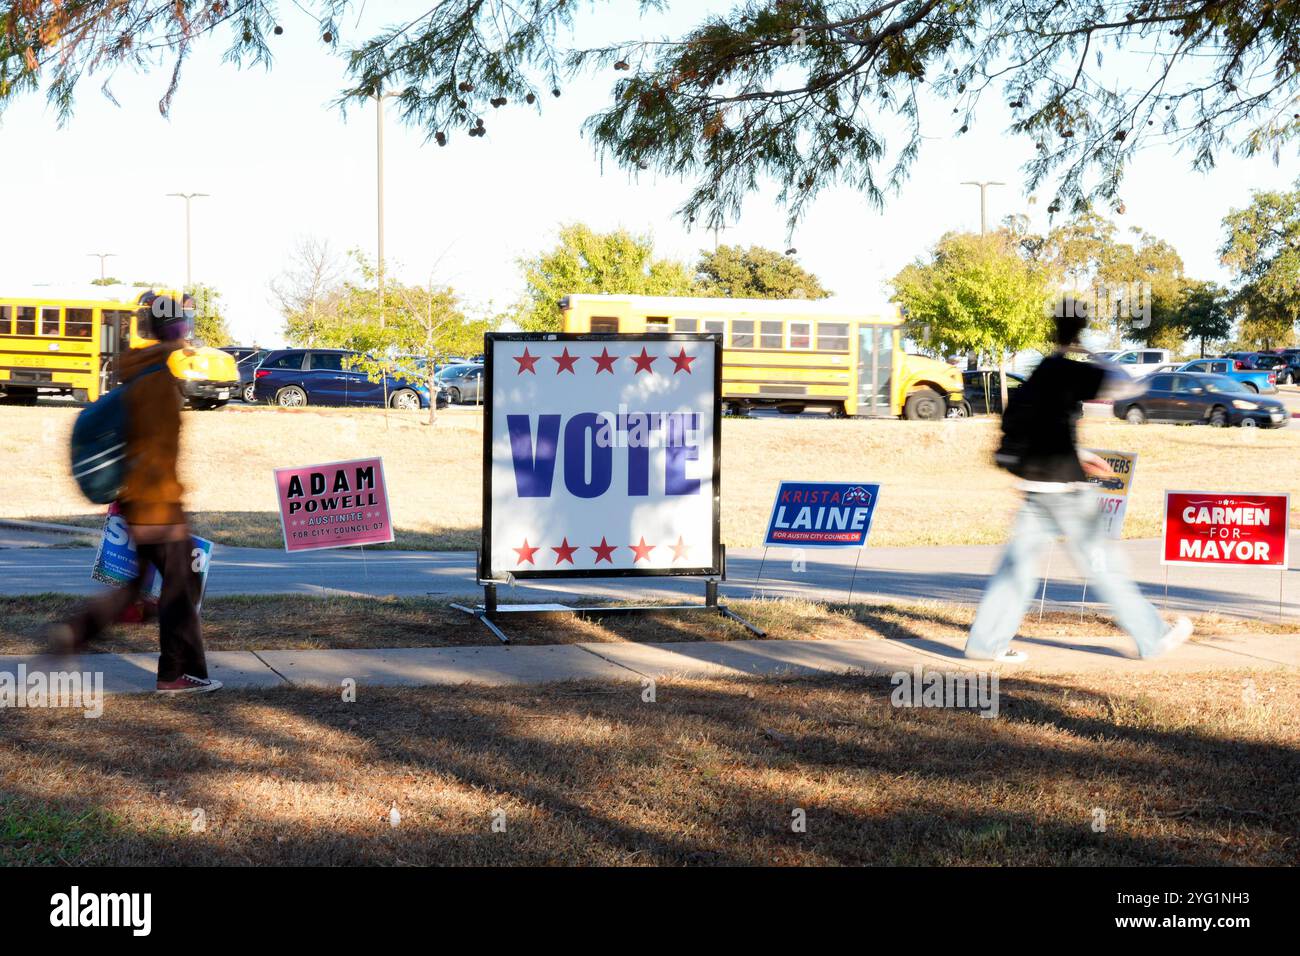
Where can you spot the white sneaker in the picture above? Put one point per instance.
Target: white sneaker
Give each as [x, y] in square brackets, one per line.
[1174, 637]
[1011, 657]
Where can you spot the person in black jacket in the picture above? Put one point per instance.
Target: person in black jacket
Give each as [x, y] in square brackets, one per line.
[1041, 449]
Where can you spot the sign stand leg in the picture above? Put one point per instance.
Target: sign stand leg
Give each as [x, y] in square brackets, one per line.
[1042, 601]
[1083, 600]
[1165, 607]
[760, 568]
[1281, 576]
[854, 578]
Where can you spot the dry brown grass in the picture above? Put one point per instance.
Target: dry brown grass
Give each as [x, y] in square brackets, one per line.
[940, 486]
[292, 622]
[1186, 770]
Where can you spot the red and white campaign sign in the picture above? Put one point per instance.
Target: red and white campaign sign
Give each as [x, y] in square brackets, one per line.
[602, 454]
[337, 505]
[1238, 529]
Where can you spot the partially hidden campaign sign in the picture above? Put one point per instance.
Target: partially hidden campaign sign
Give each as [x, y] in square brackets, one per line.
[602, 455]
[822, 514]
[117, 564]
[336, 505]
[1113, 490]
[1236, 529]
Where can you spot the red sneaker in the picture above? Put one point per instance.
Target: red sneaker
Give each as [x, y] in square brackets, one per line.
[185, 684]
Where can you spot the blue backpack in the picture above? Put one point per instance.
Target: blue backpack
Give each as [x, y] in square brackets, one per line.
[99, 444]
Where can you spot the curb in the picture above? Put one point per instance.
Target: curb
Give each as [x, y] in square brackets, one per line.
[21, 525]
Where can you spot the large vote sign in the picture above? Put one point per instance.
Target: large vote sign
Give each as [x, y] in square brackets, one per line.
[1244, 530]
[822, 514]
[336, 505]
[601, 455]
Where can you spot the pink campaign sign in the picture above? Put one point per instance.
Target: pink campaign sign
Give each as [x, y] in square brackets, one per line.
[337, 505]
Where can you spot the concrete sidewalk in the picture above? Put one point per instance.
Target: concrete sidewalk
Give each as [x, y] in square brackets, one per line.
[498, 665]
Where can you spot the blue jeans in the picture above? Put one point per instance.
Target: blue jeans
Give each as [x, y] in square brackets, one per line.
[1042, 518]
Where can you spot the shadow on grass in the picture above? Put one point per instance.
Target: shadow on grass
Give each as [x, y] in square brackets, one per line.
[710, 773]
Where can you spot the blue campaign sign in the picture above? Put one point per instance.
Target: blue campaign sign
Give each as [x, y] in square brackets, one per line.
[822, 514]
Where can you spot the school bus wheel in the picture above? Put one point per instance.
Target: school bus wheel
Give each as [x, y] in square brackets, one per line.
[925, 404]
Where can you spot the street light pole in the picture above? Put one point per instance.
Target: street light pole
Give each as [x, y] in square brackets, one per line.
[1002, 355]
[102, 256]
[379, 98]
[983, 190]
[189, 271]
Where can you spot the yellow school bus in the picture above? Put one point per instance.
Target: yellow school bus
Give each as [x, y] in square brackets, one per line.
[791, 354]
[71, 344]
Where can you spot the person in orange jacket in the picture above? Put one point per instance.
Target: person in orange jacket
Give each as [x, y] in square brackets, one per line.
[151, 504]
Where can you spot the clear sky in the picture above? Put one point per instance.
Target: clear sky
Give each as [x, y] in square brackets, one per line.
[281, 163]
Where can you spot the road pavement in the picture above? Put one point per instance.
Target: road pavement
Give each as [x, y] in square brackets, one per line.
[955, 574]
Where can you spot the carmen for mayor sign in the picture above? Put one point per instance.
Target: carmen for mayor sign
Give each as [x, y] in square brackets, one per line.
[1246, 530]
[602, 455]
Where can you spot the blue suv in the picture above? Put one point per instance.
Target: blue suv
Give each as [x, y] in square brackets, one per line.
[297, 377]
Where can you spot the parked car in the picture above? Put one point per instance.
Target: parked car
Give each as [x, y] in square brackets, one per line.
[247, 367]
[296, 377]
[1138, 362]
[1256, 380]
[241, 352]
[983, 389]
[1198, 397]
[464, 383]
[1257, 360]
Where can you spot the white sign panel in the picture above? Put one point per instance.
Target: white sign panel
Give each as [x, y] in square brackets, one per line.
[602, 455]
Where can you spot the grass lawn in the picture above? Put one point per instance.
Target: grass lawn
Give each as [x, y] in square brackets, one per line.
[1187, 770]
[939, 483]
[292, 622]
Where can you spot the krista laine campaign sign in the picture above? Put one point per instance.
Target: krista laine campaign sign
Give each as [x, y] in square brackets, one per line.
[602, 454]
[337, 505]
[1240, 529]
[821, 514]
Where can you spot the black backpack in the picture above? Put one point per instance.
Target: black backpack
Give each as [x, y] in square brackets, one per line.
[1020, 420]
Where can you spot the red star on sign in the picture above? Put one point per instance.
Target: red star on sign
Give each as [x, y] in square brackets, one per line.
[604, 551]
[642, 550]
[565, 551]
[680, 548]
[604, 362]
[525, 553]
[526, 362]
[682, 361]
[565, 362]
[643, 361]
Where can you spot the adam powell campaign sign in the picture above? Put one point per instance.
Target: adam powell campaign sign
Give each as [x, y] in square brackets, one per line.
[822, 514]
[1236, 528]
[336, 505]
[602, 455]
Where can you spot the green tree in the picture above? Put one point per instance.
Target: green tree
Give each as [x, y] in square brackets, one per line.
[755, 273]
[1262, 247]
[1135, 288]
[804, 93]
[586, 261]
[1204, 314]
[210, 326]
[976, 293]
[107, 280]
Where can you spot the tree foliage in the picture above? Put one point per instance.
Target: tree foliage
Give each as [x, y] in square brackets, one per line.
[976, 293]
[804, 93]
[1204, 313]
[210, 326]
[586, 261]
[755, 273]
[1262, 247]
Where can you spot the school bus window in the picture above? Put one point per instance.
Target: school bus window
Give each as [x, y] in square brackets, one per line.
[49, 322]
[604, 323]
[715, 325]
[771, 335]
[78, 323]
[742, 333]
[800, 335]
[26, 320]
[832, 336]
[6, 320]
[686, 325]
[656, 323]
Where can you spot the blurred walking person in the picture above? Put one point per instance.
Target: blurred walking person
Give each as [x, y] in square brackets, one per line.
[1040, 448]
[150, 501]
